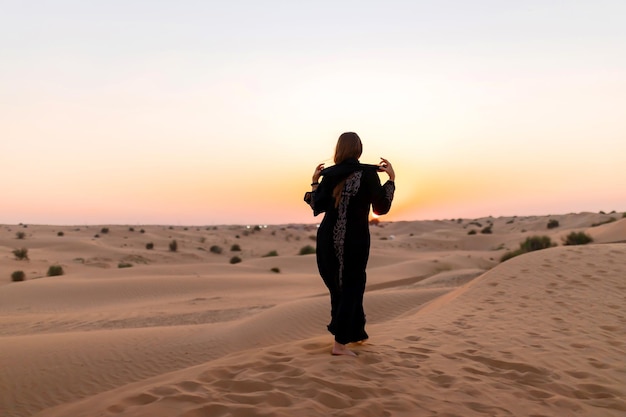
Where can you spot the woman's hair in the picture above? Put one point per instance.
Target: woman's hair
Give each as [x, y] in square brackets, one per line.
[348, 146]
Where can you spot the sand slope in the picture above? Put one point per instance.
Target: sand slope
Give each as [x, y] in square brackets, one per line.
[454, 333]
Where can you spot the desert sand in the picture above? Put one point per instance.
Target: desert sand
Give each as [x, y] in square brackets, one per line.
[454, 331]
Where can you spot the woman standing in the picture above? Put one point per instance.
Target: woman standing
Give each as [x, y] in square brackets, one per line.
[347, 191]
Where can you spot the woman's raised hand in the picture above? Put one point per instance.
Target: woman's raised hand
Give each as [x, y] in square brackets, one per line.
[317, 172]
[385, 166]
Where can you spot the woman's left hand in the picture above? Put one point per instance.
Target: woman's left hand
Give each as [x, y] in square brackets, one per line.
[385, 166]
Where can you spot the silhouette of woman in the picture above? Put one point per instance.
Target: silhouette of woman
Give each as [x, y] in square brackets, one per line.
[345, 194]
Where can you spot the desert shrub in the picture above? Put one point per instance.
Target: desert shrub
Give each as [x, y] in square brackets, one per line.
[471, 232]
[216, 249]
[552, 223]
[150, 246]
[235, 260]
[60, 234]
[96, 235]
[124, 265]
[20, 235]
[173, 245]
[257, 228]
[275, 270]
[202, 239]
[18, 276]
[609, 220]
[475, 223]
[486, 230]
[20, 254]
[235, 248]
[307, 250]
[511, 254]
[531, 243]
[624, 215]
[510, 221]
[142, 231]
[577, 238]
[104, 230]
[131, 229]
[270, 253]
[55, 270]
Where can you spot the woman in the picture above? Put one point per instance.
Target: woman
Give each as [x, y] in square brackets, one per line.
[344, 195]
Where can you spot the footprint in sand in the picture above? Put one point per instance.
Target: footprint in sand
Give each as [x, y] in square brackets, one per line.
[578, 374]
[412, 338]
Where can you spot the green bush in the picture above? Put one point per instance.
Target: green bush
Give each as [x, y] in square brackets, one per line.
[21, 254]
[55, 270]
[536, 243]
[104, 230]
[532, 243]
[552, 223]
[307, 250]
[235, 248]
[124, 265]
[173, 245]
[18, 276]
[511, 254]
[235, 260]
[216, 249]
[577, 238]
[270, 253]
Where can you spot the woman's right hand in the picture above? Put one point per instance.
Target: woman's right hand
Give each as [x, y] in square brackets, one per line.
[317, 173]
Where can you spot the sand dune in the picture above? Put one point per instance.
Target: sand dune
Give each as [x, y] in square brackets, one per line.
[454, 332]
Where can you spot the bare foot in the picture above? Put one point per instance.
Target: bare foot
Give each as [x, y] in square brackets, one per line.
[339, 349]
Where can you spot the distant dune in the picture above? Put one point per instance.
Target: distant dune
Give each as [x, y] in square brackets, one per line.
[132, 331]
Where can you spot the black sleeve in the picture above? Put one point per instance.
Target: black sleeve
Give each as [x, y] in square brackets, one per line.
[382, 195]
[318, 199]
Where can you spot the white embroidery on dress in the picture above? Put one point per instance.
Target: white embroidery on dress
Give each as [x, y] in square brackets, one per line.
[353, 182]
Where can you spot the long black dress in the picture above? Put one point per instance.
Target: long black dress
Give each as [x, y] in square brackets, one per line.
[343, 240]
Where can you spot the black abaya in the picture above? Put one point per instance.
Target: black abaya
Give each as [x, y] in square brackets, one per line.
[343, 240]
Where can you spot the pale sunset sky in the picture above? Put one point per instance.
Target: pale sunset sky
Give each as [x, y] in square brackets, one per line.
[217, 112]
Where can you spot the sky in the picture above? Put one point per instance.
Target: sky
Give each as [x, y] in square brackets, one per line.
[217, 112]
